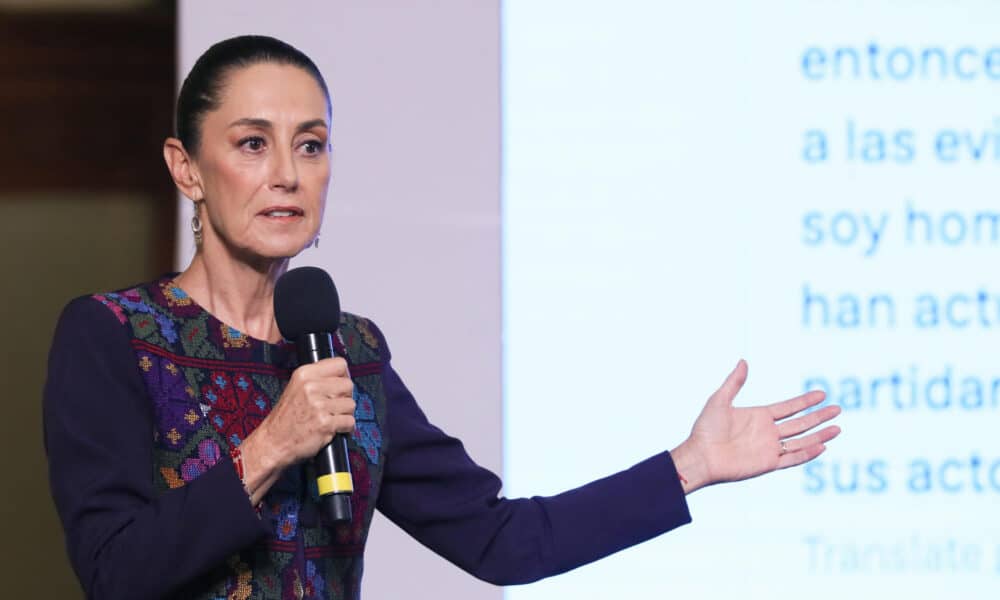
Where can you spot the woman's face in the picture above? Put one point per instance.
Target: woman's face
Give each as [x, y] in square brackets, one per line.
[264, 163]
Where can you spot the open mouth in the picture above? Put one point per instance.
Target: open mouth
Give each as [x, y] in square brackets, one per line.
[281, 212]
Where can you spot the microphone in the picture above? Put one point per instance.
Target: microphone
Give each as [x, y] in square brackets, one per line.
[307, 310]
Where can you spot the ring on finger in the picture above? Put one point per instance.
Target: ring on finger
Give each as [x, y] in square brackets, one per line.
[784, 447]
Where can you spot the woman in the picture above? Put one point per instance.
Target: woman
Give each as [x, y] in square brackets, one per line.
[177, 425]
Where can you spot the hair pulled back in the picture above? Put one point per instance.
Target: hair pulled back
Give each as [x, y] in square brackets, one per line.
[202, 88]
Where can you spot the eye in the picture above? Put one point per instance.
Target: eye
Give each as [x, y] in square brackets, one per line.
[313, 147]
[253, 143]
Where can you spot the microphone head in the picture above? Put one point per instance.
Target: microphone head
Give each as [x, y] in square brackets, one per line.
[305, 301]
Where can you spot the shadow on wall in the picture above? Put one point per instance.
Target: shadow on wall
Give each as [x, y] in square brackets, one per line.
[85, 205]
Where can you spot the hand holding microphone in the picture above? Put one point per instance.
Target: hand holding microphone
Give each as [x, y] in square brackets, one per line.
[316, 409]
[307, 309]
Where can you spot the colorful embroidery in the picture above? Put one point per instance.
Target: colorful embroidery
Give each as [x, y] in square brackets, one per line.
[236, 408]
[208, 455]
[154, 321]
[367, 433]
[232, 338]
[195, 342]
[177, 414]
[314, 582]
[210, 387]
[242, 587]
[366, 333]
[172, 478]
[288, 519]
[294, 590]
[175, 296]
[117, 310]
[173, 436]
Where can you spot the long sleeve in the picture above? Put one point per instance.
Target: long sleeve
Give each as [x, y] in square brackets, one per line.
[435, 492]
[124, 540]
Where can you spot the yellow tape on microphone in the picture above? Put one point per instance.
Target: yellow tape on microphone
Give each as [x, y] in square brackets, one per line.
[335, 483]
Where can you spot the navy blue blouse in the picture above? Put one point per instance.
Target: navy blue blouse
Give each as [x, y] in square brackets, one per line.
[152, 506]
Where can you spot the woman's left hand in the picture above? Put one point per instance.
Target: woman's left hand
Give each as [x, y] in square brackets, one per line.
[730, 443]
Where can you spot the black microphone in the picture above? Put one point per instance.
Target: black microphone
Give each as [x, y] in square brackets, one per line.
[307, 310]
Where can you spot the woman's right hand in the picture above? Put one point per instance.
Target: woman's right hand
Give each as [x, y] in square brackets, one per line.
[317, 403]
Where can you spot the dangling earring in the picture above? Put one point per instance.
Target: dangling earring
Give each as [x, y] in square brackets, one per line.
[315, 243]
[196, 225]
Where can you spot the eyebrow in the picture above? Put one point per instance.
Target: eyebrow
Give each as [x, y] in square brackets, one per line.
[265, 124]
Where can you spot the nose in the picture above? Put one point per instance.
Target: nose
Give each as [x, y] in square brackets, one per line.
[284, 174]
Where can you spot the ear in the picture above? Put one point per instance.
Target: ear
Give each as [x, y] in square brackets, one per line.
[182, 169]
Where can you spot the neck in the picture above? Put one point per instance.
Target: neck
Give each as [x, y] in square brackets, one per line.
[238, 293]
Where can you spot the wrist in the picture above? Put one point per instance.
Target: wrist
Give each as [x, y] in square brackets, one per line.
[236, 456]
[692, 469]
[259, 463]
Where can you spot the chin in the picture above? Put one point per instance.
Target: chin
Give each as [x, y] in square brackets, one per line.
[289, 251]
[272, 251]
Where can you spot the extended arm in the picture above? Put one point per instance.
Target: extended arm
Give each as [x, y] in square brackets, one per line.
[436, 493]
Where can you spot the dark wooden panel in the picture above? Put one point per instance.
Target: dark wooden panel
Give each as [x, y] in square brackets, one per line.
[86, 100]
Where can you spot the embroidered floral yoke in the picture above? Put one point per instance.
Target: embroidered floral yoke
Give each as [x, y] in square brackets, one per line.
[146, 394]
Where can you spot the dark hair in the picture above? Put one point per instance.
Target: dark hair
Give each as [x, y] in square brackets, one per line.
[202, 87]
